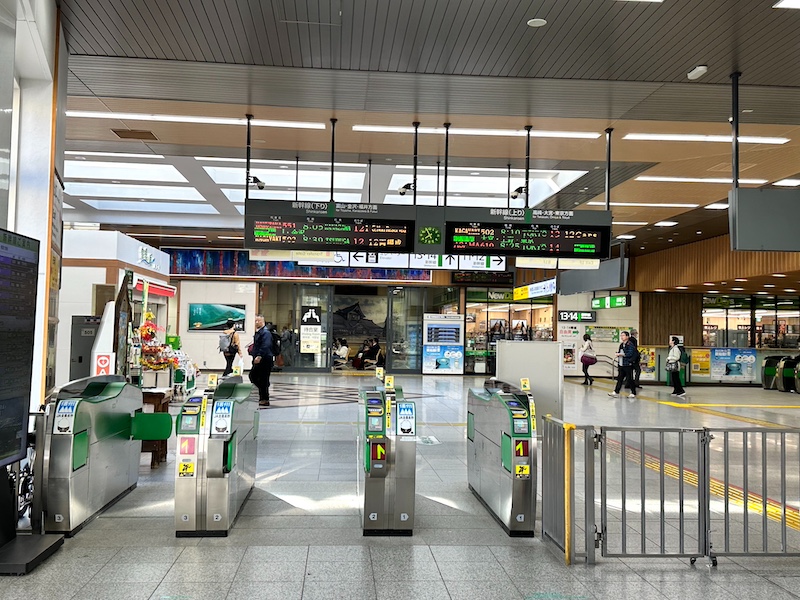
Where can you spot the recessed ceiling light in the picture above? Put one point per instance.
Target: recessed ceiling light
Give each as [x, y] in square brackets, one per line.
[692, 137]
[722, 180]
[737, 289]
[681, 287]
[625, 236]
[699, 232]
[709, 284]
[630, 223]
[284, 167]
[583, 135]
[717, 206]
[787, 4]
[787, 182]
[713, 291]
[778, 275]
[697, 72]
[666, 224]
[645, 204]
[536, 22]
[769, 285]
[790, 290]
[114, 181]
[641, 247]
[660, 290]
[85, 114]
[740, 279]
[670, 240]
[747, 110]
[474, 173]
[763, 293]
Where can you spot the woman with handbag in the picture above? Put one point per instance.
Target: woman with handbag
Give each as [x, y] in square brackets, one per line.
[588, 358]
[674, 367]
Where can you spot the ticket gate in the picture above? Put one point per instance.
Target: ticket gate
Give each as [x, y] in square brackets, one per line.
[501, 454]
[769, 372]
[216, 459]
[786, 374]
[387, 456]
[93, 440]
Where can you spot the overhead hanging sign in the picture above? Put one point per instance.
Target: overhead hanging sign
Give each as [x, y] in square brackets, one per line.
[482, 263]
[611, 302]
[536, 290]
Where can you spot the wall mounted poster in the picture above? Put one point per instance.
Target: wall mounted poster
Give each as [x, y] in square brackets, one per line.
[701, 362]
[213, 317]
[571, 340]
[733, 364]
[604, 334]
[647, 361]
[443, 344]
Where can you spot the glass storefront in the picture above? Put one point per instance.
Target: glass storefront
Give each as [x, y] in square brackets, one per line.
[751, 321]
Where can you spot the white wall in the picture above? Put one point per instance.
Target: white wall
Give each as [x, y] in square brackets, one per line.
[75, 298]
[203, 347]
[625, 318]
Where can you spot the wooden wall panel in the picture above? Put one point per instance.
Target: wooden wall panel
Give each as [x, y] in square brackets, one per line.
[707, 260]
[662, 315]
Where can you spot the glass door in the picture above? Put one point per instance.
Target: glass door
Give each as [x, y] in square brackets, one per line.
[404, 331]
[312, 309]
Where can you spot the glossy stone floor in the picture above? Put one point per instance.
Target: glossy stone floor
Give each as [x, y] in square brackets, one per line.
[299, 535]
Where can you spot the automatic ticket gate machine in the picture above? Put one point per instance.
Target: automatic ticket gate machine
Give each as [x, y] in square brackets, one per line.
[93, 440]
[785, 377]
[501, 454]
[216, 459]
[388, 461]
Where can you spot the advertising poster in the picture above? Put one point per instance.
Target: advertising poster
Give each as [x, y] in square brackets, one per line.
[442, 360]
[214, 317]
[443, 344]
[604, 334]
[571, 340]
[311, 330]
[701, 362]
[733, 364]
[647, 361]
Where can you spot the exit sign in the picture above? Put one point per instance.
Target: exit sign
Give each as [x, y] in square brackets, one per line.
[611, 302]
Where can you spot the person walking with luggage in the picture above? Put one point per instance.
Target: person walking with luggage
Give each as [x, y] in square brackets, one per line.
[263, 359]
[588, 358]
[626, 357]
[230, 337]
[674, 367]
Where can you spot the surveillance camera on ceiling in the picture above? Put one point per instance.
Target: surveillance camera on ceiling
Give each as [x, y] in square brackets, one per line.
[258, 183]
[518, 192]
[402, 191]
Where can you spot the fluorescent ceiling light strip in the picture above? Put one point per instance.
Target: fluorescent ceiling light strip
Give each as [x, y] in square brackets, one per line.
[788, 182]
[112, 154]
[787, 4]
[698, 180]
[626, 237]
[717, 206]
[230, 237]
[168, 235]
[645, 204]
[83, 114]
[471, 169]
[584, 135]
[690, 137]
[291, 163]
[630, 223]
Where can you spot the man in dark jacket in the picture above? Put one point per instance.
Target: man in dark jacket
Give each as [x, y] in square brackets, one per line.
[627, 356]
[262, 360]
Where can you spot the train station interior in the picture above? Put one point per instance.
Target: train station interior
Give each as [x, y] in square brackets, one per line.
[399, 299]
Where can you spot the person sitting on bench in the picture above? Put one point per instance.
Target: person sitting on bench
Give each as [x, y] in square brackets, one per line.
[372, 356]
[341, 355]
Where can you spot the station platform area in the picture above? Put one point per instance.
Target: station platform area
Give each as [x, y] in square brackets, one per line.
[299, 535]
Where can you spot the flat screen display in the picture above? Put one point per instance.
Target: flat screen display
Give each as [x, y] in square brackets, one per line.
[19, 261]
[514, 404]
[331, 233]
[375, 401]
[520, 426]
[189, 422]
[528, 239]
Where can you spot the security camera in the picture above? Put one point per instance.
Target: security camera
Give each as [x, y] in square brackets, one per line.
[518, 192]
[402, 191]
[258, 183]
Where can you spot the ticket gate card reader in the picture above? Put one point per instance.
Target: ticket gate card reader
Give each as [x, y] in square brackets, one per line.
[216, 459]
[502, 455]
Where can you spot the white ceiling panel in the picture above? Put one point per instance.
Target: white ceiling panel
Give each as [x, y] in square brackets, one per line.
[90, 169]
[285, 177]
[159, 207]
[116, 190]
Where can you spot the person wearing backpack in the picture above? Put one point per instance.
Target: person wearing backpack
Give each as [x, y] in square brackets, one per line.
[229, 346]
[674, 360]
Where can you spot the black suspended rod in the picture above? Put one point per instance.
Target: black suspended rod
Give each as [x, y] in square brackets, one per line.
[333, 152]
[446, 159]
[438, 164]
[609, 131]
[735, 128]
[416, 158]
[247, 166]
[369, 181]
[296, 178]
[508, 203]
[527, 163]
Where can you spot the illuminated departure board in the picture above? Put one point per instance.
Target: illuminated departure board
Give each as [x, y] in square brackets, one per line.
[332, 233]
[528, 239]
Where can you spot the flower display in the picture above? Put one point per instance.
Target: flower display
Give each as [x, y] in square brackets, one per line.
[155, 355]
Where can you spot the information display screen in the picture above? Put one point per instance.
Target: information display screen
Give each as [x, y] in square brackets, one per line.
[19, 260]
[528, 239]
[331, 233]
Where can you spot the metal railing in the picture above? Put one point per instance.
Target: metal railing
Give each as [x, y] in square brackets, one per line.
[670, 492]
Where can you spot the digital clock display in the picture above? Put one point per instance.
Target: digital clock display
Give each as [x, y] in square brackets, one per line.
[330, 233]
[529, 239]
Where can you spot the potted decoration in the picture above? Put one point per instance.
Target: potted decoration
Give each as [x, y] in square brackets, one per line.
[157, 359]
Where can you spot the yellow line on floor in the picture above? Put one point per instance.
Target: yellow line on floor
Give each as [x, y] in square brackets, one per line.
[787, 406]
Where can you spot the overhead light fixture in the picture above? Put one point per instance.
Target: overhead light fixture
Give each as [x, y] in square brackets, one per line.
[790, 290]
[659, 290]
[85, 114]
[536, 22]
[699, 232]
[645, 204]
[689, 137]
[769, 285]
[778, 275]
[112, 154]
[625, 236]
[717, 206]
[762, 293]
[230, 237]
[709, 284]
[787, 4]
[697, 72]
[681, 287]
[168, 235]
[582, 135]
[660, 179]
[665, 224]
[630, 223]
[713, 291]
[740, 279]
[737, 289]
[788, 182]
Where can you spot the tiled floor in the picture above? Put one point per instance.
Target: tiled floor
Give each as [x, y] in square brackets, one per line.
[299, 535]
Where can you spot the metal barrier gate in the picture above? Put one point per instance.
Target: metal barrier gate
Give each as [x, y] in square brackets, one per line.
[669, 492]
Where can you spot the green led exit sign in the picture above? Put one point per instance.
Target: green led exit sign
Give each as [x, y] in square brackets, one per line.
[611, 302]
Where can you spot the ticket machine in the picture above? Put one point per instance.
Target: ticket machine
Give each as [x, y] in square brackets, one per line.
[501, 454]
[215, 459]
[388, 461]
